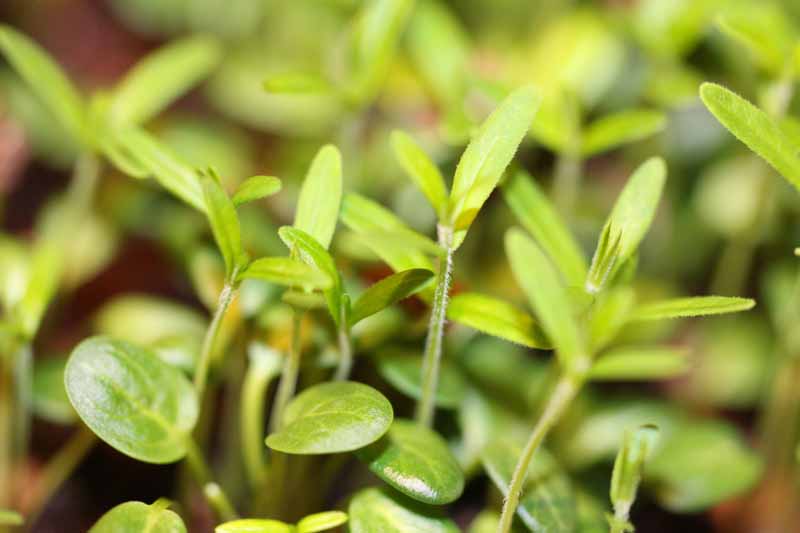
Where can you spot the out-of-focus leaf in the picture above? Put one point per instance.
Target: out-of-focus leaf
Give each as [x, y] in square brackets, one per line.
[50, 400]
[416, 461]
[297, 83]
[620, 128]
[138, 517]
[321, 521]
[373, 510]
[497, 318]
[537, 215]
[635, 363]
[422, 171]
[285, 271]
[488, 154]
[754, 128]
[320, 196]
[388, 291]
[10, 518]
[610, 312]
[145, 319]
[160, 78]
[254, 525]
[764, 29]
[256, 188]
[692, 306]
[403, 371]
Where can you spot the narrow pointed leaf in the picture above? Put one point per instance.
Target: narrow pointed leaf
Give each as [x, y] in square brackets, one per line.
[388, 291]
[498, 318]
[422, 171]
[320, 196]
[547, 295]
[621, 128]
[225, 225]
[640, 363]
[489, 153]
[138, 517]
[537, 215]
[321, 521]
[131, 399]
[285, 271]
[628, 467]
[372, 510]
[256, 188]
[333, 417]
[46, 79]
[416, 461]
[254, 525]
[755, 129]
[692, 306]
[161, 77]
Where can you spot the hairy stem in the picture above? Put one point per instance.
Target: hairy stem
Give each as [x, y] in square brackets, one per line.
[288, 383]
[213, 493]
[432, 358]
[203, 365]
[563, 393]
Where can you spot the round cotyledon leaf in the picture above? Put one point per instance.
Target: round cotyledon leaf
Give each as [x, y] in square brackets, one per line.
[333, 418]
[374, 510]
[138, 517]
[131, 399]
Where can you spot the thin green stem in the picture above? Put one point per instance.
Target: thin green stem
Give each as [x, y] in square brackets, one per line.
[213, 493]
[563, 394]
[288, 383]
[203, 365]
[254, 392]
[567, 180]
[432, 358]
[345, 353]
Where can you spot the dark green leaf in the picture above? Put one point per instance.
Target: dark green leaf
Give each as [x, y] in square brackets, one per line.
[498, 318]
[131, 399]
[225, 226]
[256, 188]
[333, 418]
[372, 510]
[320, 196]
[138, 517]
[416, 461]
[635, 363]
[50, 399]
[388, 291]
[692, 306]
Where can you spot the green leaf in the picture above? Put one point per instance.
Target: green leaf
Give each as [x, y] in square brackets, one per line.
[47, 80]
[754, 128]
[321, 521]
[628, 222]
[620, 128]
[635, 363]
[131, 399]
[320, 196]
[548, 297]
[404, 372]
[50, 400]
[692, 306]
[765, 30]
[297, 83]
[285, 271]
[333, 417]
[373, 510]
[254, 525]
[610, 312]
[422, 171]
[161, 163]
[416, 461]
[628, 467]
[537, 215]
[256, 188]
[548, 502]
[161, 77]
[388, 291]
[498, 318]
[10, 518]
[489, 153]
[138, 517]
[225, 226]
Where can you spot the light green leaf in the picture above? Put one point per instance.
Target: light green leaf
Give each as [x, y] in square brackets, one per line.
[254, 525]
[764, 29]
[225, 226]
[547, 295]
[321, 521]
[333, 417]
[138, 517]
[610, 312]
[537, 215]
[635, 363]
[404, 372]
[692, 306]
[50, 400]
[489, 153]
[131, 399]
[320, 196]
[285, 271]
[47, 80]
[548, 502]
[754, 128]
[161, 77]
[372, 510]
[297, 83]
[498, 318]
[388, 291]
[422, 171]
[620, 128]
[416, 461]
[628, 466]
[10, 518]
[256, 188]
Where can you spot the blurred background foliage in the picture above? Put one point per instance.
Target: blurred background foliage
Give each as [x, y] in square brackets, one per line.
[619, 80]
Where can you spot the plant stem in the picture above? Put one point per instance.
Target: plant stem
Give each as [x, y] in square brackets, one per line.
[288, 383]
[212, 491]
[203, 365]
[345, 353]
[432, 358]
[567, 180]
[563, 393]
[254, 392]
[57, 470]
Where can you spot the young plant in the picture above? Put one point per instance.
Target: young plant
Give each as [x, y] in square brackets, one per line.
[627, 474]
